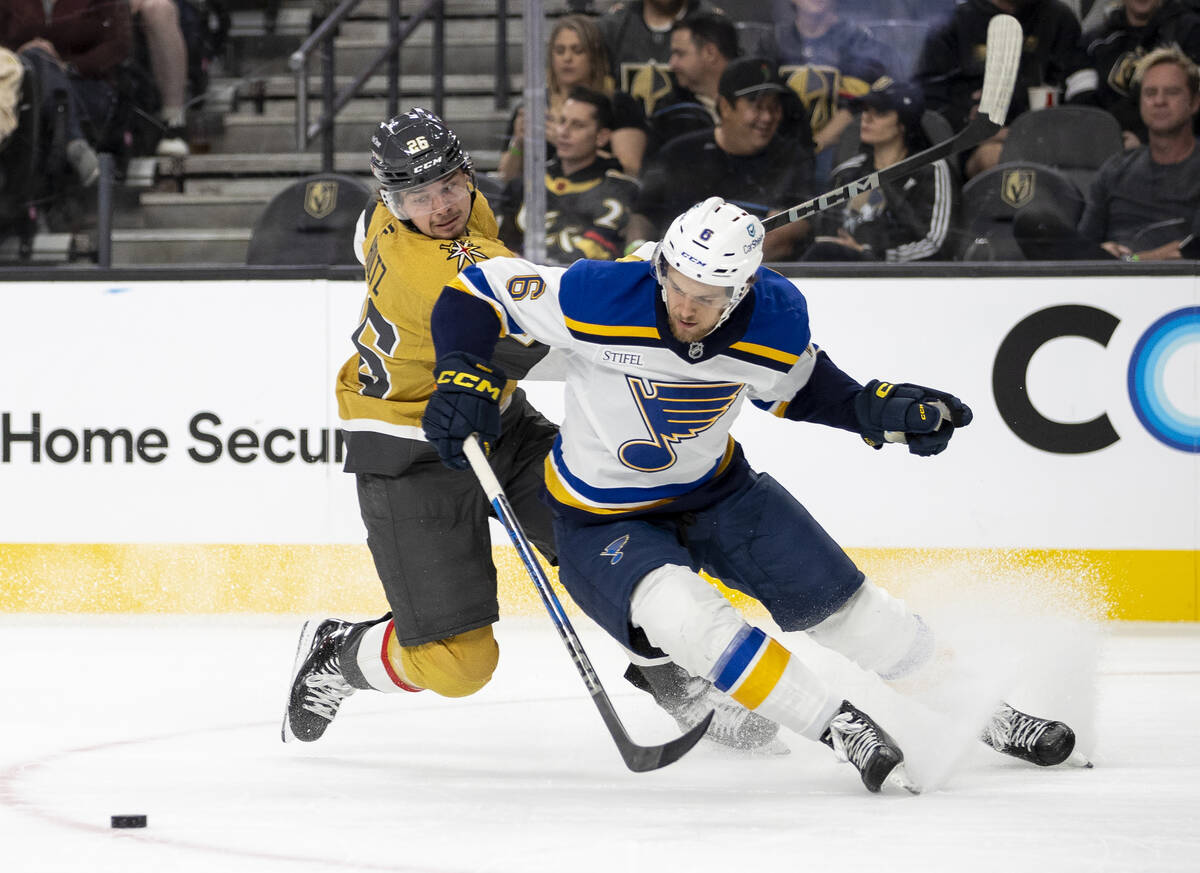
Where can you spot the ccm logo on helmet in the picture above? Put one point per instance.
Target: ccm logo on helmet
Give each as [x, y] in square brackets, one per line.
[425, 166]
[693, 259]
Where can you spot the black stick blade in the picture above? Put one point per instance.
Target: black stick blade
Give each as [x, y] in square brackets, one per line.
[641, 759]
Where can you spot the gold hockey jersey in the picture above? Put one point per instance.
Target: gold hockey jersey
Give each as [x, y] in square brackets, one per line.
[383, 387]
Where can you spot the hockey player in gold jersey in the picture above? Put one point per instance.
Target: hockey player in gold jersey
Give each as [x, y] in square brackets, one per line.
[427, 526]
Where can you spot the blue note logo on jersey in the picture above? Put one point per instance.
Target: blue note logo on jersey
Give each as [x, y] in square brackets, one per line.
[613, 549]
[673, 411]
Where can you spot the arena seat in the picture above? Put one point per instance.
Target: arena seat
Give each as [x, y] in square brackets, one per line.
[1076, 140]
[993, 198]
[310, 222]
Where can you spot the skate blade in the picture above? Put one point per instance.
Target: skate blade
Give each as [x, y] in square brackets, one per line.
[1078, 759]
[307, 632]
[899, 778]
[777, 748]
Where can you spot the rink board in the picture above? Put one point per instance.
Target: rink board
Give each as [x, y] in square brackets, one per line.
[172, 447]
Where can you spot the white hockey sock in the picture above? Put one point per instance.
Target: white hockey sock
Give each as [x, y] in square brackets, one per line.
[701, 631]
[762, 675]
[381, 671]
[878, 632]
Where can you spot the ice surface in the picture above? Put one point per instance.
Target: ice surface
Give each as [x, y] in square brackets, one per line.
[178, 718]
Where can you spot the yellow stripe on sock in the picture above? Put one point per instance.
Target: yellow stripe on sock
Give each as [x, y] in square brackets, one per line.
[764, 677]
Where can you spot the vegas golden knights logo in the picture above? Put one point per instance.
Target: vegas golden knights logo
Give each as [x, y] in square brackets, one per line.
[646, 81]
[817, 87]
[320, 198]
[1017, 187]
[1120, 77]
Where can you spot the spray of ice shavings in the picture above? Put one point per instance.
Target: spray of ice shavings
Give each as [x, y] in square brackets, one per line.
[1011, 626]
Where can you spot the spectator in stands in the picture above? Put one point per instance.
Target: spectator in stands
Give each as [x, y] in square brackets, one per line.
[702, 44]
[744, 159]
[837, 56]
[952, 60]
[907, 220]
[1155, 183]
[1127, 34]
[876, 10]
[638, 37]
[12, 74]
[588, 197]
[159, 20]
[577, 56]
[75, 48]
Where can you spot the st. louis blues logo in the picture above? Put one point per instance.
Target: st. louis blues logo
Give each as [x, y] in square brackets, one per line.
[464, 250]
[613, 549]
[673, 411]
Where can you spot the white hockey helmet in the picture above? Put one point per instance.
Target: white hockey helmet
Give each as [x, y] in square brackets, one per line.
[716, 243]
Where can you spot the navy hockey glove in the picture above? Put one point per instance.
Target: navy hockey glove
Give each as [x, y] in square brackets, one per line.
[925, 418]
[466, 400]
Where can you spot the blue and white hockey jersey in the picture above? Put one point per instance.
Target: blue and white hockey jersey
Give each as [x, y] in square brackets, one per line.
[647, 417]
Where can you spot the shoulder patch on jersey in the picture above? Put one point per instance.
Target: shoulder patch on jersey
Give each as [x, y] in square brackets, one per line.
[609, 301]
[779, 331]
[466, 252]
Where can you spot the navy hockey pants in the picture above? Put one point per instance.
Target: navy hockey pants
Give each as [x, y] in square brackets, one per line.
[758, 540]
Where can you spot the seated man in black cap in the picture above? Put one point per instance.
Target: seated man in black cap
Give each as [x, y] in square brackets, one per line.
[1144, 204]
[745, 160]
[909, 219]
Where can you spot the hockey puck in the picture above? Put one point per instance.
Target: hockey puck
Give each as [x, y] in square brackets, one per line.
[128, 821]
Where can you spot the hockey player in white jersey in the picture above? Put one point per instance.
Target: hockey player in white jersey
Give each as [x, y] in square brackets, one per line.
[648, 486]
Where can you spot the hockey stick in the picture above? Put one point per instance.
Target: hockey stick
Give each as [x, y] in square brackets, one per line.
[1004, 40]
[637, 758]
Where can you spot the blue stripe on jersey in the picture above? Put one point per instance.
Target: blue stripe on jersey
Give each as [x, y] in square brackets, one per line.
[480, 283]
[737, 657]
[627, 495]
[616, 293]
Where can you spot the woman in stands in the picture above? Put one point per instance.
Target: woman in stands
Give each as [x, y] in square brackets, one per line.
[577, 56]
[908, 220]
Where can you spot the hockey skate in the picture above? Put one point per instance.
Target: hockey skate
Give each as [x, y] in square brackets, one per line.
[687, 699]
[318, 686]
[855, 737]
[1036, 740]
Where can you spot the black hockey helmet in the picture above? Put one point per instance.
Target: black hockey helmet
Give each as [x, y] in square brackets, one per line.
[414, 149]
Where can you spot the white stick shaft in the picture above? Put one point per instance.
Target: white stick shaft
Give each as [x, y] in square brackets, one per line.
[483, 470]
[1004, 41]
